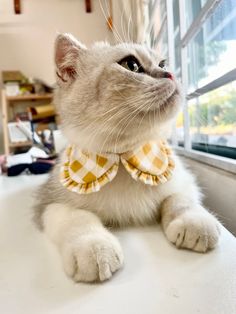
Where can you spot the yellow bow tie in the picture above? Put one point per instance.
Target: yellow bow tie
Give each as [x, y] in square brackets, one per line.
[86, 172]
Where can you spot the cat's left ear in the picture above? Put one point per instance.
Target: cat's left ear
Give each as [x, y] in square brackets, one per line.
[67, 51]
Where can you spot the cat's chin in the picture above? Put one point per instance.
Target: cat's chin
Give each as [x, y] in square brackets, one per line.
[164, 113]
[171, 104]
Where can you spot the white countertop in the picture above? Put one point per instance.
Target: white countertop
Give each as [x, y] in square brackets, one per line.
[156, 279]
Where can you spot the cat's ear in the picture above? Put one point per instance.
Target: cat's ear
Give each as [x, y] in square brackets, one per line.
[67, 51]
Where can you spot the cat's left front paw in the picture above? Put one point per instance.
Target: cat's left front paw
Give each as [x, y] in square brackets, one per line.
[196, 230]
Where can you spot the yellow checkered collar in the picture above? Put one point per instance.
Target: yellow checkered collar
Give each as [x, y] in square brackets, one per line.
[86, 172]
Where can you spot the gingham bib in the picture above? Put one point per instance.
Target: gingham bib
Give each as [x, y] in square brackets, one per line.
[86, 172]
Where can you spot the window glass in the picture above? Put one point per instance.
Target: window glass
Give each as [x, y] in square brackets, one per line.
[213, 117]
[193, 7]
[211, 53]
[177, 48]
[180, 128]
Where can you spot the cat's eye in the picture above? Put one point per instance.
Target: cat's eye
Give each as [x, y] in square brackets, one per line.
[163, 64]
[132, 64]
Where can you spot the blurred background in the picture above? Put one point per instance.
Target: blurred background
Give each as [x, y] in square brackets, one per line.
[197, 37]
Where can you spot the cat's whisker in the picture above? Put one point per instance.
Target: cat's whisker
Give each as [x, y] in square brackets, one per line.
[122, 129]
[116, 115]
[104, 114]
[135, 85]
[122, 25]
[134, 99]
[144, 115]
[154, 111]
[114, 29]
[130, 19]
[127, 85]
[126, 117]
[151, 117]
[153, 101]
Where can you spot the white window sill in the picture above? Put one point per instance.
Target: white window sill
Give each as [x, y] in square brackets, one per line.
[223, 163]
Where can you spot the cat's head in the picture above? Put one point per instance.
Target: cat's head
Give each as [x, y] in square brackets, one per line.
[112, 98]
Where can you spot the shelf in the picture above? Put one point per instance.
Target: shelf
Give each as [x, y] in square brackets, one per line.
[8, 102]
[29, 97]
[21, 144]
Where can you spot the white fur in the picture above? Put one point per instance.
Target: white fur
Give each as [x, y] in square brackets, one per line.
[90, 253]
[99, 94]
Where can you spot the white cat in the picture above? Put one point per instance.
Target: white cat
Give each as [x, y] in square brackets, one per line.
[113, 99]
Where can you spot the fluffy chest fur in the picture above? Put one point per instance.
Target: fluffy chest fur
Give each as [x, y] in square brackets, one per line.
[124, 201]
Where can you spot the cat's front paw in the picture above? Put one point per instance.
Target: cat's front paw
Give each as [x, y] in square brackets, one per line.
[92, 257]
[196, 230]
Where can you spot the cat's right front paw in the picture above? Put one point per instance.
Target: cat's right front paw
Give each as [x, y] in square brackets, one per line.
[92, 257]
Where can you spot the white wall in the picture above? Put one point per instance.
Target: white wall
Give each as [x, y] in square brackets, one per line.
[219, 188]
[26, 40]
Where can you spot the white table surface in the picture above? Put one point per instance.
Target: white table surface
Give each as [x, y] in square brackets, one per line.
[156, 279]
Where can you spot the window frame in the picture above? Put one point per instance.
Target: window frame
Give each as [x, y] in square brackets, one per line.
[186, 35]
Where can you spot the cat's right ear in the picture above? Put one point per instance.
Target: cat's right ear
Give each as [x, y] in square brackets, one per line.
[67, 51]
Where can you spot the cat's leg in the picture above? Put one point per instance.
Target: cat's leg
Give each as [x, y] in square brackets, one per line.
[188, 224]
[89, 251]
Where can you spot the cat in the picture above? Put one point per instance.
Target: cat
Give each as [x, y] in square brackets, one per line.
[112, 99]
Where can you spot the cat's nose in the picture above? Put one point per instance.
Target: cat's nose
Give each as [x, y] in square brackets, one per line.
[168, 75]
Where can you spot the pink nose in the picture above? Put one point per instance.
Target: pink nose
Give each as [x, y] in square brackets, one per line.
[168, 75]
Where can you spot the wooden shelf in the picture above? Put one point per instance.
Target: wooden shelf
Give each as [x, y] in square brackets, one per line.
[21, 144]
[29, 97]
[8, 102]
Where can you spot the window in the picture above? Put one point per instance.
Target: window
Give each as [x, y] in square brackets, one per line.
[177, 46]
[193, 7]
[212, 120]
[211, 53]
[202, 34]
